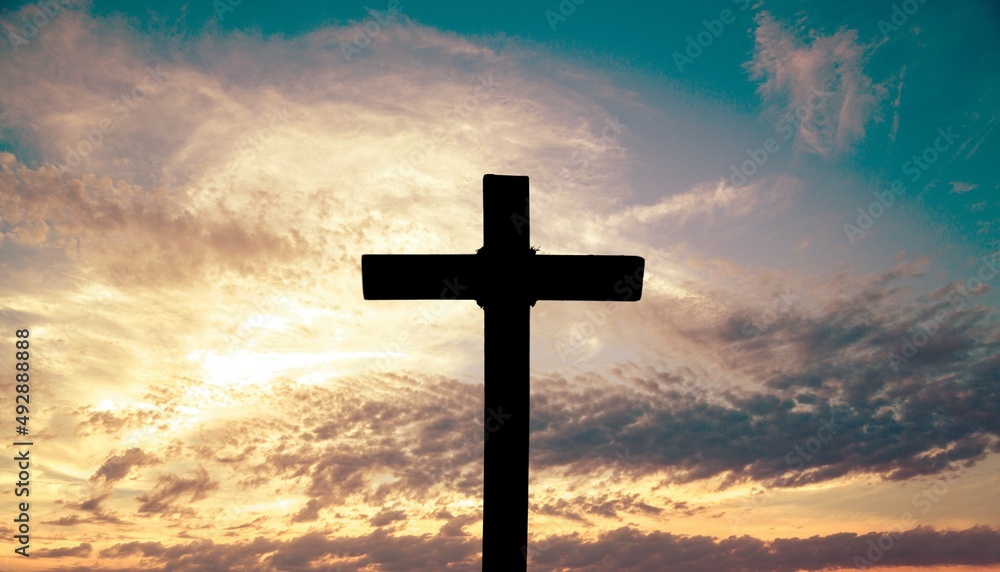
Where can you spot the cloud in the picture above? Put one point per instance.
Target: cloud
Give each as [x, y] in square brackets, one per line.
[961, 188]
[212, 178]
[312, 551]
[818, 87]
[627, 549]
[895, 420]
[92, 504]
[456, 524]
[170, 488]
[704, 200]
[678, 420]
[93, 507]
[137, 237]
[117, 467]
[604, 506]
[81, 550]
[387, 516]
[309, 513]
[430, 443]
[836, 389]
[623, 549]
[895, 105]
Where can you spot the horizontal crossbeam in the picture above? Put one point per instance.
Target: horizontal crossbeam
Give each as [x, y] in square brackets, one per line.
[586, 277]
[418, 276]
[472, 277]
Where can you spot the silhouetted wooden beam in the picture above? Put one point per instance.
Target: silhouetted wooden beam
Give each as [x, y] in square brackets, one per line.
[541, 277]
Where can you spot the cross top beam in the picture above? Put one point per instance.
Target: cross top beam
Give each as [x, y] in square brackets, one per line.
[506, 278]
[506, 267]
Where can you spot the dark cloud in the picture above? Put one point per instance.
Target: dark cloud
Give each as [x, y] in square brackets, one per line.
[170, 488]
[425, 432]
[822, 397]
[580, 508]
[100, 517]
[376, 551]
[627, 549]
[114, 422]
[117, 467]
[456, 524]
[387, 516]
[95, 512]
[772, 438]
[71, 520]
[309, 513]
[624, 549]
[79, 551]
[829, 406]
[105, 421]
[92, 504]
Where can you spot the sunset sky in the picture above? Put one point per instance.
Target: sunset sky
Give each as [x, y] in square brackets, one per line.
[811, 380]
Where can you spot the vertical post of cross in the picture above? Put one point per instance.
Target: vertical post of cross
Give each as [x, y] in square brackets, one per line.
[506, 246]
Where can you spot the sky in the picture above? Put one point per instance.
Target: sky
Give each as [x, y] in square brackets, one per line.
[809, 382]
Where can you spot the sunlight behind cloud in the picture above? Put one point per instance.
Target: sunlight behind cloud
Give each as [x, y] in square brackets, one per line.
[252, 368]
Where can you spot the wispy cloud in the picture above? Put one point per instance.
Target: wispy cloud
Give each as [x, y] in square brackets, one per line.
[962, 188]
[117, 467]
[822, 78]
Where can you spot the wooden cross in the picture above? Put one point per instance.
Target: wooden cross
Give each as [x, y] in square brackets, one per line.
[505, 277]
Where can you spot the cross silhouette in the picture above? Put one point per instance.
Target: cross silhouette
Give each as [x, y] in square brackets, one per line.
[505, 277]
